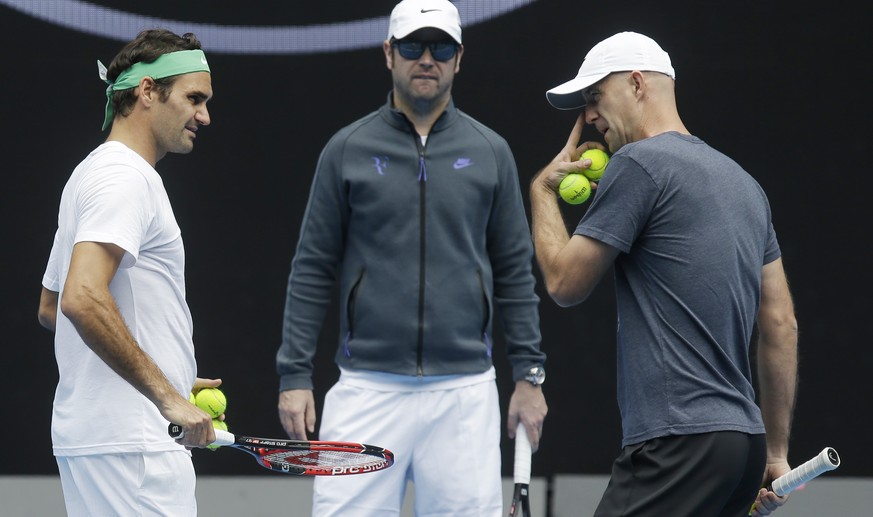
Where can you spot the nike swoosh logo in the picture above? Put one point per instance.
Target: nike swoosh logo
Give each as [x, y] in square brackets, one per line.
[429, 10]
[460, 163]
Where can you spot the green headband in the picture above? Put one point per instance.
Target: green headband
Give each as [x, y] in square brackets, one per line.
[174, 63]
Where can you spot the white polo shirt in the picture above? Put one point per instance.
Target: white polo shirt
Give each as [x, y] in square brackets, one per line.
[115, 196]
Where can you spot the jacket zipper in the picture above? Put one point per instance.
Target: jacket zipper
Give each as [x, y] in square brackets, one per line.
[422, 180]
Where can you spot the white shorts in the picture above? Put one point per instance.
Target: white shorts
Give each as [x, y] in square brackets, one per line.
[128, 485]
[445, 435]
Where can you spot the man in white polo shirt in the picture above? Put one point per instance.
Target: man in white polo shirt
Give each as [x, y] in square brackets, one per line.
[114, 293]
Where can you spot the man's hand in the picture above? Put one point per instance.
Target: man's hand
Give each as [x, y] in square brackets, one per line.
[196, 423]
[297, 413]
[767, 501]
[566, 161]
[528, 406]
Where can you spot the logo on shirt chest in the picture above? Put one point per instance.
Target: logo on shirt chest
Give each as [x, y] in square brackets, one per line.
[381, 163]
[462, 163]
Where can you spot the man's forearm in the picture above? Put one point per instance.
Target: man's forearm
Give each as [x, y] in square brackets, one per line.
[98, 321]
[48, 309]
[777, 376]
[548, 229]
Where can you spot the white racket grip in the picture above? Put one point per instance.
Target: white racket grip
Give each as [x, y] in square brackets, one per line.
[521, 474]
[827, 459]
[223, 438]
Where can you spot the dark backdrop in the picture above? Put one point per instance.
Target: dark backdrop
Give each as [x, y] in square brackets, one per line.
[782, 89]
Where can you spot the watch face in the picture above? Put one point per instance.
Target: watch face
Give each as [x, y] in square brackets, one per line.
[536, 375]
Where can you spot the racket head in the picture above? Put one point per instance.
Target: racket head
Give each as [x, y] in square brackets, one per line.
[322, 458]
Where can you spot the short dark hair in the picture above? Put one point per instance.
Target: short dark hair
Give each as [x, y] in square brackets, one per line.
[148, 45]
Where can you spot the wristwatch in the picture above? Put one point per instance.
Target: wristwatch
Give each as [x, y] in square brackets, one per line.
[536, 375]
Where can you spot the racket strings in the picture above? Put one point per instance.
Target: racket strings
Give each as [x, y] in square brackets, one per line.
[330, 459]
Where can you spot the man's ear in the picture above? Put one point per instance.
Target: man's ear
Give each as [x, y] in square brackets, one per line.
[458, 57]
[388, 49]
[146, 92]
[638, 82]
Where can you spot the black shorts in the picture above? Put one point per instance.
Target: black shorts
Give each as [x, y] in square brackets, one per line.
[699, 475]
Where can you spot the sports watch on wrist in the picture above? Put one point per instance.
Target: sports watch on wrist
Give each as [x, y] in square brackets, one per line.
[536, 375]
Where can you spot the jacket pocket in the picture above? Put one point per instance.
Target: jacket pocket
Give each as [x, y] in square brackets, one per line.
[486, 312]
[350, 312]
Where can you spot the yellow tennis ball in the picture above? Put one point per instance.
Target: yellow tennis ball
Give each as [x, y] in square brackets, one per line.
[575, 189]
[217, 424]
[599, 159]
[212, 401]
[191, 399]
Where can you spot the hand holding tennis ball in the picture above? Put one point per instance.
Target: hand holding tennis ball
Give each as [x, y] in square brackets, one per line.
[212, 401]
[599, 159]
[575, 189]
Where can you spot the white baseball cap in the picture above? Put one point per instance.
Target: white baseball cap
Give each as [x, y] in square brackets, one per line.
[622, 52]
[411, 15]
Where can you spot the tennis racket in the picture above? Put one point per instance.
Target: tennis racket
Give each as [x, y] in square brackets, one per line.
[305, 458]
[826, 460]
[521, 475]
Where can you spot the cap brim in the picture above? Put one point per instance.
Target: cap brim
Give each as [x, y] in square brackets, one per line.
[403, 32]
[569, 95]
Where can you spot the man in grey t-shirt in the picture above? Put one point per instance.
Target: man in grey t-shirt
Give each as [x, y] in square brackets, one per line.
[697, 266]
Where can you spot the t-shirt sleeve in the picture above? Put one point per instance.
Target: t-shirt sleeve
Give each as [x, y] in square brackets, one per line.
[51, 277]
[622, 204]
[772, 251]
[112, 206]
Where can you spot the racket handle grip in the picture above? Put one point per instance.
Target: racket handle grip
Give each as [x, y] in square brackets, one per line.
[221, 437]
[521, 473]
[826, 460]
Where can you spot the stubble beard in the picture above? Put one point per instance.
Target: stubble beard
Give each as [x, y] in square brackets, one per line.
[421, 104]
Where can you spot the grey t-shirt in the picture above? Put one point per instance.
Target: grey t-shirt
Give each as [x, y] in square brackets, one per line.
[694, 230]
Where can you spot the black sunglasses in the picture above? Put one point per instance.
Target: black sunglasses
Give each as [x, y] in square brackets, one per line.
[440, 50]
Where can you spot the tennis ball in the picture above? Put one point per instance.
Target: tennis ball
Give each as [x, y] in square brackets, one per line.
[212, 401]
[575, 189]
[217, 424]
[191, 399]
[599, 159]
